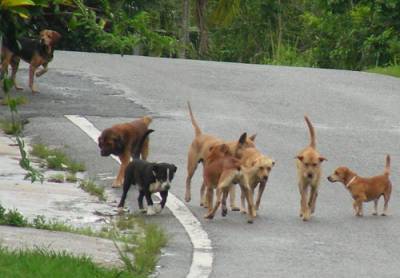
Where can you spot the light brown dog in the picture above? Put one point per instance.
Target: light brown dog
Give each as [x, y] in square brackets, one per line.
[36, 52]
[121, 140]
[309, 171]
[256, 169]
[221, 171]
[198, 152]
[365, 189]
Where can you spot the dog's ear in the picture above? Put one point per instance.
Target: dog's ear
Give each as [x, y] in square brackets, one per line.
[174, 168]
[224, 148]
[321, 158]
[300, 157]
[119, 144]
[273, 163]
[253, 137]
[243, 138]
[154, 169]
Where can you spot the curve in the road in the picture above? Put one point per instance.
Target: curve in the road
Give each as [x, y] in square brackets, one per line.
[202, 250]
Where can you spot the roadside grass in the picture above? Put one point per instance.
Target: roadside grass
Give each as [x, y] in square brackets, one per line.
[390, 70]
[71, 177]
[19, 100]
[56, 159]
[93, 189]
[42, 263]
[11, 128]
[143, 241]
[58, 178]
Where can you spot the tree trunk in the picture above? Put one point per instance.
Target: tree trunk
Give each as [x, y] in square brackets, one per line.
[201, 6]
[185, 28]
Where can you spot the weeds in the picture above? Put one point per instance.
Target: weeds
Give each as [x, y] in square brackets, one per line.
[93, 189]
[58, 178]
[11, 128]
[19, 100]
[12, 218]
[71, 177]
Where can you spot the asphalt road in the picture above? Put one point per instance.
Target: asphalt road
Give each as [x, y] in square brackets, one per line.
[357, 121]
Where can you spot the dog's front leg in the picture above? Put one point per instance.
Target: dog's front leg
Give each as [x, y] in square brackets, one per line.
[164, 196]
[43, 70]
[124, 158]
[150, 205]
[210, 193]
[14, 68]
[232, 198]
[304, 211]
[224, 197]
[313, 199]
[32, 69]
[260, 193]
[127, 185]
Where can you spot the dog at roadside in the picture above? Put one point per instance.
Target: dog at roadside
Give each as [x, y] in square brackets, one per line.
[199, 151]
[365, 189]
[221, 171]
[36, 52]
[256, 169]
[121, 140]
[150, 178]
[309, 172]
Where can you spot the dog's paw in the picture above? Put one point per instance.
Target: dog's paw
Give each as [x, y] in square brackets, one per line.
[243, 210]
[157, 208]
[224, 212]
[374, 213]
[121, 210]
[151, 210]
[384, 214]
[209, 216]
[235, 208]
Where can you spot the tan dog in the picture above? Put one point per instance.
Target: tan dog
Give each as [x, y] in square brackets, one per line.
[308, 163]
[37, 53]
[121, 140]
[221, 171]
[365, 189]
[198, 152]
[256, 168]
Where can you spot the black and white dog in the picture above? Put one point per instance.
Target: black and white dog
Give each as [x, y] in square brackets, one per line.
[150, 177]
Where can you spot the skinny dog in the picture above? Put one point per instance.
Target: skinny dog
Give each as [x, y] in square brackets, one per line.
[199, 151]
[365, 189]
[308, 163]
[36, 52]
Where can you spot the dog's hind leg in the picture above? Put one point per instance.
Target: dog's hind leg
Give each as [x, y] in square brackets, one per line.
[14, 68]
[224, 197]
[214, 209]
[191, 168]
[375, 207]
[386, 197]
[127, 185]
[140, 201]
[145, 149]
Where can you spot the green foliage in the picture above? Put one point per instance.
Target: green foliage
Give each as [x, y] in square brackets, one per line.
[93, 189]
[12, 218]
[56, 159]
[58, 178]
[50, 264]
[390, 70]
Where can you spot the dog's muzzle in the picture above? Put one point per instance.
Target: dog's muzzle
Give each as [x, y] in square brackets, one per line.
[165, 186]
[264, 179]
[105, 153]
[330, 178]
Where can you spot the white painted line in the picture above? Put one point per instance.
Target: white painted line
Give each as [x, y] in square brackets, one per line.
[202, 250]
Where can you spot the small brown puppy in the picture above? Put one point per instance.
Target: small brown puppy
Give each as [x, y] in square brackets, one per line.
[365, 189]
[308, 163]
[121, 139]
[36, 52]
[221, 171]
[256, 168]
[198, 152]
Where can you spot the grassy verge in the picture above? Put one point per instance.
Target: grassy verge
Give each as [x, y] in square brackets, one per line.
[391, 70]
[41, 263]
[93, 189]
[11, 128]
[19, 100]
[56, 159]
[143, 241]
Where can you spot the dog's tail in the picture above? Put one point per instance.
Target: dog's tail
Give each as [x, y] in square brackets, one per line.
[138, 147]
[194, 123]
[312, 132]
[147, 120]
[387, 166]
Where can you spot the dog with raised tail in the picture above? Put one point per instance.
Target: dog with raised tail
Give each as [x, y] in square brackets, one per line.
[309, 171]
[365, 189]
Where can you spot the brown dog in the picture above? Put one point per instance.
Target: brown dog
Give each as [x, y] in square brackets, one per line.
[198, 152]
[256, 168]
[121, 140]
[221, 171]
[365, 189]
[35, 52]
[308, 163]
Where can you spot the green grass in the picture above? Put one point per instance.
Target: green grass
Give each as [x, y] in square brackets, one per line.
[56, 159]
[390, 70]
[59, 178]
[93, 189]
[43, 264]
[19, 100]
[9, 128]
[71, 177]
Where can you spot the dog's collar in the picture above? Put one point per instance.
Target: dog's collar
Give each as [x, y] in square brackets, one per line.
[351, 181]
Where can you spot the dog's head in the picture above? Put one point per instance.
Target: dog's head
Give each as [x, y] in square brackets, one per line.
[164, 174]
[311, 164]
[110, 143]
[49, 37]
[341, 174]
[263, 166]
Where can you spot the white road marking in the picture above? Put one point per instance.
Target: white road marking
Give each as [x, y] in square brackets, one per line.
[202, 259]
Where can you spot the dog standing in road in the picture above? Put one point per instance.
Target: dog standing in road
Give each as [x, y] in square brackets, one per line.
[121, 140]
[256, 169]
[36, 52]
[199, 151]
[309, 171]
[365, 189]
[150, 178]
